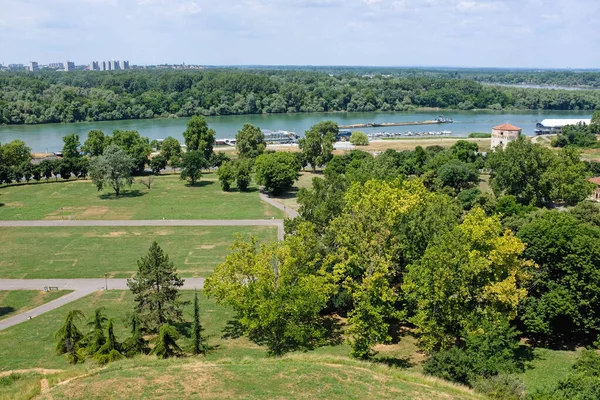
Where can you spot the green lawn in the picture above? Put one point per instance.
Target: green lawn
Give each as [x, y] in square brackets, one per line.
[547, 368]
[169, 197]
[90, 252]
[13, 302]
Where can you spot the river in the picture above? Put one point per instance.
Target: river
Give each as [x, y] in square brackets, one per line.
[48, 137]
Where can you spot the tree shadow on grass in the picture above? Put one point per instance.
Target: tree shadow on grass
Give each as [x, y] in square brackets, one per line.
[333, 325]
[6, 310]
[291, 193]
[403, 362]
[233, 329]
[200, 184]
[122, 195]
[524, 356]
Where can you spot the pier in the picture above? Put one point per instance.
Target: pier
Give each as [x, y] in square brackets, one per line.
[385, 124]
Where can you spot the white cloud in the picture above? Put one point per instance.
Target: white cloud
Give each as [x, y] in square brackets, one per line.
[476, 6]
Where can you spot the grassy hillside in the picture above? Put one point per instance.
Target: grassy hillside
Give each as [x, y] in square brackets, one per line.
[291, 377]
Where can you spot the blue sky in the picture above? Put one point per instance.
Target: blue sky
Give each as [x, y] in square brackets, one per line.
[468, 33]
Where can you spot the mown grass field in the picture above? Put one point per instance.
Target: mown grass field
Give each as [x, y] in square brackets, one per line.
[169, 198]
[13, 302]
[90, 252]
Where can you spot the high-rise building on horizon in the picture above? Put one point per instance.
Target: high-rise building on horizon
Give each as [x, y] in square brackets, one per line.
[69, 66]
[125, 64]
[94, 66]
[33, 66]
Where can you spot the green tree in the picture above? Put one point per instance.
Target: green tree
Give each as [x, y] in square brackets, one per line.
[136, 343]
[243, 171]
[474, 271]
[277, 172]
[324, 201]
[95, 143]
[317, 144]
[226, 175]
[136, 146]
[65, 168]
[111, 350]
[568, 178]
[46, 168]
[155, 287]
[365, 260]
[563, 299]
[465, 151]
[95, 338]
[157, 164]
[113, 169]
[27, 170]
[458, 174]
[15, 153]
[200, 346]
[518, 171]
[199, 137]
[191, 166]
[359, 139]
[71, 146]
[250, 142]
[170, 148]
[69, 338]
[166, 342]
[276, 291]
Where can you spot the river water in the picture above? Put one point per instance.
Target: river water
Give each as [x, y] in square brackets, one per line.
[48, 137]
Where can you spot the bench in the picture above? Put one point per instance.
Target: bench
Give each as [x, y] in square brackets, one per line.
[49, 288]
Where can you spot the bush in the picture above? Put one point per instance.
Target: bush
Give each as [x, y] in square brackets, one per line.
[452, 365]
[501, 387]
[359, 139]
[480, 135]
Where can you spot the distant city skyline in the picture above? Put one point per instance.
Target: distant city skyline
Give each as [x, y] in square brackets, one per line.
[426, 33]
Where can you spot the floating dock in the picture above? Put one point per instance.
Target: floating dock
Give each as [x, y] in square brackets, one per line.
[386, 124]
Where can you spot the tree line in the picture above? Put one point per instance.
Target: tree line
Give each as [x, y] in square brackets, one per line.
[408, 239]
[48, 97]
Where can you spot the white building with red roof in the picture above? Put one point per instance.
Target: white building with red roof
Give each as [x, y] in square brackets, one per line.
[503, 134]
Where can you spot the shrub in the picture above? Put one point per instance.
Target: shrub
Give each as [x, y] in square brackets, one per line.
[501, 387]
[359, 139]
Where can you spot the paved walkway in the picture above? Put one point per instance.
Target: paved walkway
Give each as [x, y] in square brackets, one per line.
[290, 212]
[80, 287]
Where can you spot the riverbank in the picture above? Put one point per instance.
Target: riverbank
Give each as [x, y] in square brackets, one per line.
[48, 137]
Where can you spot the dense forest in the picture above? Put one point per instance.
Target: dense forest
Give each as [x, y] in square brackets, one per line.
[96, 96]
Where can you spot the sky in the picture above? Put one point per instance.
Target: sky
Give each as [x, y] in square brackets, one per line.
[459, 33]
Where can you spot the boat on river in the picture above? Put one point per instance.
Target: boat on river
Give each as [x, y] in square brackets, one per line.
[280, 137]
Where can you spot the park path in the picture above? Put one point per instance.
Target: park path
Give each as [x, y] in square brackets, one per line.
[80, 287]
[289, 212]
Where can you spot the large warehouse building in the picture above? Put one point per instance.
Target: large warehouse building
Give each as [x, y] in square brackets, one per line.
[555, 126]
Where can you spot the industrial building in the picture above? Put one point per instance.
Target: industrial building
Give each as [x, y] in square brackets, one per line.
[502, 135]
[555, 126]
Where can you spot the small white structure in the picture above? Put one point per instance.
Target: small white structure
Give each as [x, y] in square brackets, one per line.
[555, 126]
[502, 135]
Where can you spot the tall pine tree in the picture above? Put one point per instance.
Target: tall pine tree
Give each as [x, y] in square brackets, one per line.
[156, 290]
[199, 342]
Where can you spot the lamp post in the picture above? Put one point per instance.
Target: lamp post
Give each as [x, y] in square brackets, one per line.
[105, 282]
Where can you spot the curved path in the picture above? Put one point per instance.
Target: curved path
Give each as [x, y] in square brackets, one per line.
[80, 287]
